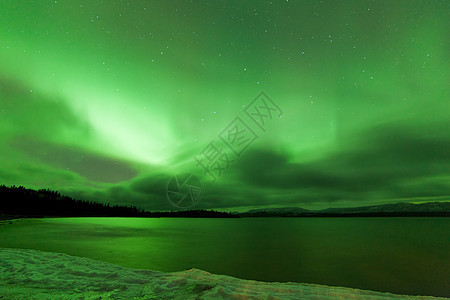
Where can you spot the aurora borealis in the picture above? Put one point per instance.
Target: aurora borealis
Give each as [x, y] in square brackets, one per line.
[107, 100]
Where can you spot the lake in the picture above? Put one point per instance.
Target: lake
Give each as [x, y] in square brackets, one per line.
[397, 255]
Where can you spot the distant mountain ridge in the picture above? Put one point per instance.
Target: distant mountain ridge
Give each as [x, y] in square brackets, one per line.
[395, 207]
[429, 208]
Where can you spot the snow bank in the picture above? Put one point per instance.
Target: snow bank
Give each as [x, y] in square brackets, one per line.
[33, 274]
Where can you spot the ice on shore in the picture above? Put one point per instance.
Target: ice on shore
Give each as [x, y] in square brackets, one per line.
[34, 274]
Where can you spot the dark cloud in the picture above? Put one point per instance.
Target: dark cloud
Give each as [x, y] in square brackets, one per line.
[151, 184]
[87, 164]
[120, 194]
[375, 162]
[24, 111]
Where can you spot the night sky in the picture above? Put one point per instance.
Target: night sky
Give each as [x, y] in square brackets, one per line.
[107, 100]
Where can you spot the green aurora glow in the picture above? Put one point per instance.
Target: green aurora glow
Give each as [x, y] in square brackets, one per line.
[106, 100]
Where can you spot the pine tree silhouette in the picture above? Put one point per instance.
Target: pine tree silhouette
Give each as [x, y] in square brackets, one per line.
[23, 202]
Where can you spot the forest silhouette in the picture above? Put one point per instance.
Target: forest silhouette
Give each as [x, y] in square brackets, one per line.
[24, 202]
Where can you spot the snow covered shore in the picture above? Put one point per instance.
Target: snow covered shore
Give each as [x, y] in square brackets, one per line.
[33, 274]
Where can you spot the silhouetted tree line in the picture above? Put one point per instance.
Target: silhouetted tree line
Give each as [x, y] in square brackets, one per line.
[28, 202]
[20, 201]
